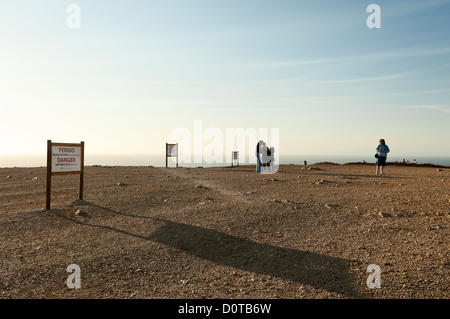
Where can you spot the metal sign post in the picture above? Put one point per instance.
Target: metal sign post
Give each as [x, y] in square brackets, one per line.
[64, 159]
[171, 151]
[234, 156]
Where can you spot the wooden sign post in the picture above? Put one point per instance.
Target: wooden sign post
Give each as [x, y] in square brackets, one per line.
[64, 159]
[171, 151]
[234, 156]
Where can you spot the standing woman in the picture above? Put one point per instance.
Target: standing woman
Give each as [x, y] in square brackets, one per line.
[382, 151]
[258, 156]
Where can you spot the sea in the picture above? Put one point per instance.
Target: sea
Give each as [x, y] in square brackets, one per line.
[160, 161]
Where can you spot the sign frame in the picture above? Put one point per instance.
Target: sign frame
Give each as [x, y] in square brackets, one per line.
[170, 155]
[50, 173]
[234, 156]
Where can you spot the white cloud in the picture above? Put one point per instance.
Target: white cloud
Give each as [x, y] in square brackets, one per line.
[375, 78]
[436, 107]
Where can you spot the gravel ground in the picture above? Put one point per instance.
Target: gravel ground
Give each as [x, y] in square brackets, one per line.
[304, 232]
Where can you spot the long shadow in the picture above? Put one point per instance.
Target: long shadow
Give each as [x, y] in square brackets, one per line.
[351, 175]
[317, 270]
[320, 271]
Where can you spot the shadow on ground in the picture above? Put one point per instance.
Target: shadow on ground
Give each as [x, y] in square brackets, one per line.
[317, 270]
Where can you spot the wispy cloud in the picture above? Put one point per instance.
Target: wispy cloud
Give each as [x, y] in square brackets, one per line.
[403, 53]
[290, 63]
[407, 93]
[436, 107]
[370, 79]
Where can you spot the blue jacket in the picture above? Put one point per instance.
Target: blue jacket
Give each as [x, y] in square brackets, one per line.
[385, 148]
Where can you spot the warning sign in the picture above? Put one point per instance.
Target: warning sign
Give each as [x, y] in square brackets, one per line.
[172, 150]
[66, 159]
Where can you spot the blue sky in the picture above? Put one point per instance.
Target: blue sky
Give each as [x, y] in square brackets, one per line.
[137, 70]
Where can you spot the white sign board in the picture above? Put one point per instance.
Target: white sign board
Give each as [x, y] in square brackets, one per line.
[66, 159]
[172, 150]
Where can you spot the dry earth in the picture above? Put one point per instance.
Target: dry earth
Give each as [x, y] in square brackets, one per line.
[227, 233]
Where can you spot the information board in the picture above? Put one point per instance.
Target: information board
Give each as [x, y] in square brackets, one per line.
[171, 151]
[66, 159]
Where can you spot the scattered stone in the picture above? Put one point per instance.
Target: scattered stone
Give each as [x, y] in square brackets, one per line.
[121, 184]
[9, 176]
[439, 170]
[383, 214]
[206, 202]
[331, 205]
[199, 186]
[35, 178]
[80, 213]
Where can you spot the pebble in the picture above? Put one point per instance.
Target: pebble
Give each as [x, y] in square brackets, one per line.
[9, 176]
[80, 213]
[121, 184]
[35, 178]
[382, 214]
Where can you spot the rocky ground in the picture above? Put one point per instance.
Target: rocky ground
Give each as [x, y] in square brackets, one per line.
[304, 232]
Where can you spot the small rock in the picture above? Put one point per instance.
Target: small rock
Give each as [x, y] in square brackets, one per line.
[80, 213]
[439, 170]
[9, 176]
[199, 186]
[35, 178]
[121, 184]
[382, 214]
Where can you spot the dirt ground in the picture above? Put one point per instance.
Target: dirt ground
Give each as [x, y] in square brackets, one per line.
[304, 232]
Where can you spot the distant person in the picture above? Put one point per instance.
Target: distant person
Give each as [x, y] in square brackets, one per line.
[271, 158]
[306, 163]
[404, 161]
[415, 162]
[258, 155]
[382, 151]
[364, 161]
[265, 157]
